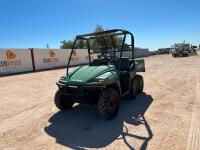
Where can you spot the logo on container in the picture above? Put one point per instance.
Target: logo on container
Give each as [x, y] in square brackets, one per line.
[10, 54]
[52, 59]
[52, 53]
[11, 62]
[74, 55]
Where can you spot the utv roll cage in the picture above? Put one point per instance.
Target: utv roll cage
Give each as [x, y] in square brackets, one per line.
[103, 35]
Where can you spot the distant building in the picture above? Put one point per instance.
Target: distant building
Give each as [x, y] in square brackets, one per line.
[138, 53]
[163, 50]
[141, 52]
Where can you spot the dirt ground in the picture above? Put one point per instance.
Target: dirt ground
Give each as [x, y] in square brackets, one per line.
[165, 116]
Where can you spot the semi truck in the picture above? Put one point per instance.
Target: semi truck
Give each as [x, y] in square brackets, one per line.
[181, 50]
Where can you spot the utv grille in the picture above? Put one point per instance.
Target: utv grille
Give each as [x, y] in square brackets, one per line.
[74, 90]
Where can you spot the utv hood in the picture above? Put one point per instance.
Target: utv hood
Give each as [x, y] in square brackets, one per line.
[87, 74]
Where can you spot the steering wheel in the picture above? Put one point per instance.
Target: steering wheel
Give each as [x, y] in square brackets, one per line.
[113, 59]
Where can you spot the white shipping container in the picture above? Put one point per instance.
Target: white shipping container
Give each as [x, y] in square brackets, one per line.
[50, 58]
[80, 56]
[15, 60]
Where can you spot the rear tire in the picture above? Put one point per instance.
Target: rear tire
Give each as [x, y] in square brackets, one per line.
[140, 83]
[133, 89]
[174, 55]
[62, 102]
[108, 104]
[186, 55]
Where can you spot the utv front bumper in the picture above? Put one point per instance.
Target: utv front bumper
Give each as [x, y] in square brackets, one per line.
[81, 93]
[89, 85]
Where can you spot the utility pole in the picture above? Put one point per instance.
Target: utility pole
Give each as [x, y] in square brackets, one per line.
[47, 46]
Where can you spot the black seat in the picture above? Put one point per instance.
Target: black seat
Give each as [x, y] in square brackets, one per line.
[124, 73]
[124, 65]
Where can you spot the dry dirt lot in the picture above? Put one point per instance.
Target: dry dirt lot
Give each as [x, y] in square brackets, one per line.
[165, 116]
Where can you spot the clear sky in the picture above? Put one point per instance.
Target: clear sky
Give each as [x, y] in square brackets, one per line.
[155, 23]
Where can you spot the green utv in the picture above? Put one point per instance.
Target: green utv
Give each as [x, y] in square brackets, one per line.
[107, 78]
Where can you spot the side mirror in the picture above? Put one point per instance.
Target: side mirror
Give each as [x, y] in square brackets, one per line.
[139, 65]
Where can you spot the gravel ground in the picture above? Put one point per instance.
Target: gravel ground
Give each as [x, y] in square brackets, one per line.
[165, 116]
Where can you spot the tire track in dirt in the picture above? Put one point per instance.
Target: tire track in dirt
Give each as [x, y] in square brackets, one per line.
[194, 133]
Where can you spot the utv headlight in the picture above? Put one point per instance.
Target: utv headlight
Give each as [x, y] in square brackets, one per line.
[95, 83]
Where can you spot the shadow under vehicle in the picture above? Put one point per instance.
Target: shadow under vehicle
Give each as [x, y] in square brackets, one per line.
[79, 128]
[107, 78]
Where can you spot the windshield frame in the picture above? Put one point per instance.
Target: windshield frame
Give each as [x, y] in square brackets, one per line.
[108, 33]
